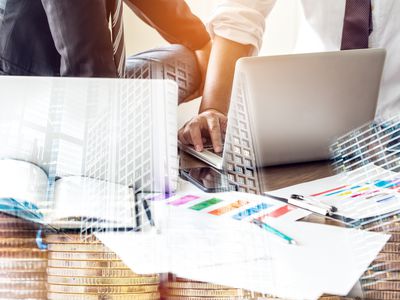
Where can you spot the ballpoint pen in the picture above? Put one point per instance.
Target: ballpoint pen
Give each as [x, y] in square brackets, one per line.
[330, 208]
[274, 231]
[302, 204]
[147, 210]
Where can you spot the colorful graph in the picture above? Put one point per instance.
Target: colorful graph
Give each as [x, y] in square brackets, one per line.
[363, 200]
[367, 190]
[238, 209]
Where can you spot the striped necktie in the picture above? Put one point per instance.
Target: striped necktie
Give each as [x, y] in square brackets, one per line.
[117, 29]
[357, 24]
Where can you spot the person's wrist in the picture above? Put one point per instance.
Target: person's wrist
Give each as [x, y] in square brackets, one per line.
[212, 109]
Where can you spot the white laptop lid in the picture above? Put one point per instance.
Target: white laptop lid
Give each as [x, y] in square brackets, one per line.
[299, 104]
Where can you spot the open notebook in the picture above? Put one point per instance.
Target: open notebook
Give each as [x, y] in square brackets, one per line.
[68, 202]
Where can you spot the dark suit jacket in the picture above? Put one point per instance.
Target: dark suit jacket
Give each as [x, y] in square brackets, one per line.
[72, 38]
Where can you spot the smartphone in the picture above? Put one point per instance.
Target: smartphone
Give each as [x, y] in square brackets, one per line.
[208, 179]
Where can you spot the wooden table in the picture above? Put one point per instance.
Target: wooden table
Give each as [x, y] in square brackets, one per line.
[277, 177]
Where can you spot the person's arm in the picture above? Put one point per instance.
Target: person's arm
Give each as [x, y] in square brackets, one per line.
[237, 28]
[80, 32]
[174, 21]
[218, 85]
[211, 121]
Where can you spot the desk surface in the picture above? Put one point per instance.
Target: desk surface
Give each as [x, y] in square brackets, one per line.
[277, 177]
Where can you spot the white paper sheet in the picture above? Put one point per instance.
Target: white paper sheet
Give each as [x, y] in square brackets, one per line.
[239, 254]
[360, 196]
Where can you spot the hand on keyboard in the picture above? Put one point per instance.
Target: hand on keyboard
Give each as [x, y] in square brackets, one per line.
[209, 125]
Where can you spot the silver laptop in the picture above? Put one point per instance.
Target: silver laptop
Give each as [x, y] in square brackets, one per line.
[297, 105]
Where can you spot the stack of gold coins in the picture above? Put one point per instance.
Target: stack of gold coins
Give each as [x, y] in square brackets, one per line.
[337, 298]
[382, 279]
[176, 288]
[22, 264]
[86, 269]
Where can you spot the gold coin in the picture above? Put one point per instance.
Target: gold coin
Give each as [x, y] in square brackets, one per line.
[24, 285]
[70, 239]
[205, 293]
[382, 286]
[385, 266]
[386, 227]
[17, 276]
[181, 279]
[18, 242]
[382, 222]
[395, 237]
[103, 281]
[388, 257]
[5, 216]
[12, 233]
[382, 295]
[23, 274]
[93, 272]
[382, 275]
[81, 264]
[335, 298]
[23, 264]
[260, 295]
[8, 217]
[81, 289]
[200, 298]
[145, 296]
[78, 248]
[22, 294]
[22, 253]
[84, 256]
[391, 247]
[194, 285]
[17, 223]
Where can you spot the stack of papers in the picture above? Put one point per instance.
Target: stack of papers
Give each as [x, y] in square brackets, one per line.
[203, 246]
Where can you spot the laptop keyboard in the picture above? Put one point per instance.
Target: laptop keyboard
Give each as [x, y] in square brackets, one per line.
[211, 149]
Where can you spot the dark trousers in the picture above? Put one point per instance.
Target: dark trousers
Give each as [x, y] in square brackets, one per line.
[173, 62]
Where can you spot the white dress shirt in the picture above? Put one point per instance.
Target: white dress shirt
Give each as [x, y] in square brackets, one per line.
[243, 21]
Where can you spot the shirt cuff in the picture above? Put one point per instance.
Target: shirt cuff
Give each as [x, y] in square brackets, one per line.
[241, 21]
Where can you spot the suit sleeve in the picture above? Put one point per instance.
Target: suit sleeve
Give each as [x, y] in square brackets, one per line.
[173, 19]
[81, 36]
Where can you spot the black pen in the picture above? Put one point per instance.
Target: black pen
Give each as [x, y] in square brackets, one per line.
[146, 207]
[148, 212]
[311, 201]
[303, 204]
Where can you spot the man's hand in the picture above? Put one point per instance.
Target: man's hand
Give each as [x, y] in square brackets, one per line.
[208, 125]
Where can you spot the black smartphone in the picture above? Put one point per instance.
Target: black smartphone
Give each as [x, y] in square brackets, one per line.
[208, 179]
